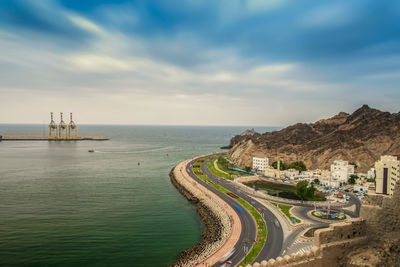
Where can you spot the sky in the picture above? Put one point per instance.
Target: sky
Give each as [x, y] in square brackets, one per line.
[197, 62]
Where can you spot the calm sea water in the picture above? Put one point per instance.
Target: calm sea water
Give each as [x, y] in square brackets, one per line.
[63, 206]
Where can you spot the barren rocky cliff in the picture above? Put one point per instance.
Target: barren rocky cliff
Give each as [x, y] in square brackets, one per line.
[361, 137]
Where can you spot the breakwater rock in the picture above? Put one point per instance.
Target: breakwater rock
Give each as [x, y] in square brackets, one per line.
[214, 216]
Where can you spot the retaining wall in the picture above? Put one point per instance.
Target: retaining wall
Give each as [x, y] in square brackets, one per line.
[330, 244]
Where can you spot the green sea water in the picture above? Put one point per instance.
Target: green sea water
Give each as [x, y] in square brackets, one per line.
[63, 206]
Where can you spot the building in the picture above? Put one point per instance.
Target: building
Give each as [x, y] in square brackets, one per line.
[260, 164]
[273, 173]
[371, 173]
[333, 183]
[292, 174]
[341, 170]
[387, 171]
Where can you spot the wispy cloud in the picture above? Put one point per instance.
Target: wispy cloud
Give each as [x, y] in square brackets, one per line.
[252, 62]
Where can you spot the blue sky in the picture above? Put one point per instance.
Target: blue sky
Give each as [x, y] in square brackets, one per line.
[227, 62]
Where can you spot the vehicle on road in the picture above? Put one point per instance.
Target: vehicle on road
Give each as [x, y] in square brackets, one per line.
[276, 223]
[224, 259]
[238, 208]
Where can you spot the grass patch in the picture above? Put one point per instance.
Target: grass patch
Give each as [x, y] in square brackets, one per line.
[220, 188]
[323, 215]
[204, 178]
[286, 210]
[212, 168]
[196, 169]
[224, 167]
[197, 164]
[262, 230]
[261, 233]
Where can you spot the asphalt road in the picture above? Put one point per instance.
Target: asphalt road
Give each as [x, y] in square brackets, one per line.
[273, 244]
[249, 228]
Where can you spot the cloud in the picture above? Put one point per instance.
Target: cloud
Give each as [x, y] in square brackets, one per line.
[97, 63]
[85, 24]
[250, 62]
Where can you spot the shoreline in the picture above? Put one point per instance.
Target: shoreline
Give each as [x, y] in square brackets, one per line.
[213, 226]
[222, 224]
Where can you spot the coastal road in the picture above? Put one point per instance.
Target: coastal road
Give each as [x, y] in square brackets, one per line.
[274, 241]
[249, 228]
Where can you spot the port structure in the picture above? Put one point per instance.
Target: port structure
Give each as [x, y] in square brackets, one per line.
[72, 128]
[62, 131]
[53, 129]
[62, 128]
[56, 132]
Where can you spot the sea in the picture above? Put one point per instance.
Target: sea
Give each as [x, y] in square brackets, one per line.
[61, 205]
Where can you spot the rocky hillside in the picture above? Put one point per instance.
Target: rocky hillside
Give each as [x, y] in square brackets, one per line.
[361, 137]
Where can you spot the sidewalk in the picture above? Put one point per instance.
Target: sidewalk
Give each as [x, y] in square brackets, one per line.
[236, 224]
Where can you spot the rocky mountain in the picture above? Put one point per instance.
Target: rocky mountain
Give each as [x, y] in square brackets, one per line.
[361, 137]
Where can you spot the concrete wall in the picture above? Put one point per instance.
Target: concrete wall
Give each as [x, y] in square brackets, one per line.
[382, 214]
[330, 245]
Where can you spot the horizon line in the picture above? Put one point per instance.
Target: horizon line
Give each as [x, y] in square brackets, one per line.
[176, 125]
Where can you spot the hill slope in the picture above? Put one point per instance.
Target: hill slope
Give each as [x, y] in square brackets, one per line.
[361, 137]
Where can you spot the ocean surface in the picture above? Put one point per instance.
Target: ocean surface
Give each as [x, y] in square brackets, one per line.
[63, 206]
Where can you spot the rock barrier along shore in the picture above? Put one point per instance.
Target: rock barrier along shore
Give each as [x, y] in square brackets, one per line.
[221, 222]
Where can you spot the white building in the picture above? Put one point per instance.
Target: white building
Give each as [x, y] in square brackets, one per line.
[387, 174]
[260, 164]
[292, 174]
[333, 183]
[371, 173]
[305, 175]
[341, 170]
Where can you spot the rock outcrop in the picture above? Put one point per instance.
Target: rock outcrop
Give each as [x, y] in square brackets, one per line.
[361, 137]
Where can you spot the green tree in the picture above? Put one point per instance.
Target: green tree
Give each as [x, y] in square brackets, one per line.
[298, 165]
[247, 168]
[305, 191]
[301, 189]
[224, 163]
[317, 181]
[355, 176]
[352, 180]
[283, 165]
[310, 192]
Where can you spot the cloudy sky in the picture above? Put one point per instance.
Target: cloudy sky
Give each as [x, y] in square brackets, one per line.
[197, 62]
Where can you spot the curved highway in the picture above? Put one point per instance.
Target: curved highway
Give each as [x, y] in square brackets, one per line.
[274, 240]
[249, 228]
[274, 244]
